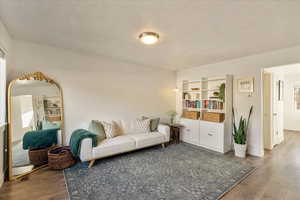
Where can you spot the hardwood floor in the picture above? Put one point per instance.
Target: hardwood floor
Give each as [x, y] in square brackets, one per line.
[40, 185]
[277, 177]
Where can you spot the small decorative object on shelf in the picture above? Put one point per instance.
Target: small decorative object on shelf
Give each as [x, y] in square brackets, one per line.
[220, 94]
[240, 134]
[172, 114]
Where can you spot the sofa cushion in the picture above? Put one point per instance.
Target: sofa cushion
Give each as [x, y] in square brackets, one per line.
[147, 139]
[113, 146]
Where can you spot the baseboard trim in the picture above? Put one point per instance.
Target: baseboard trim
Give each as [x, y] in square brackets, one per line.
[253, 152]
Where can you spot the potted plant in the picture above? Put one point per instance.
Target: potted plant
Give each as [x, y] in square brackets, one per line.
[240, 134]
[172, 114]
[221, 93]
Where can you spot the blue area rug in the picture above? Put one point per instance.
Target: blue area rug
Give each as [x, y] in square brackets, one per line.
[178, 172]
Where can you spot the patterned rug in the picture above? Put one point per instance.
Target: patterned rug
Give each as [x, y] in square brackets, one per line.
[179, 171]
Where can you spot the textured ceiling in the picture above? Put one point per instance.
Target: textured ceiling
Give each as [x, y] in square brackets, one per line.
[193, 32]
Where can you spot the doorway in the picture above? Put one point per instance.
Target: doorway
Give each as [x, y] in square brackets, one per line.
[280, 103]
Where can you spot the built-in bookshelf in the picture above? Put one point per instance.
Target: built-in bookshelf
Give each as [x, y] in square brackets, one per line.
[204, 95]
[207, 95]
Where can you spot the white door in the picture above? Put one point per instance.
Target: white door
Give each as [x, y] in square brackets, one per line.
[277, 109]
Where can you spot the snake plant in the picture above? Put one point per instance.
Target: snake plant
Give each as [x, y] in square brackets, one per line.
[240, 132]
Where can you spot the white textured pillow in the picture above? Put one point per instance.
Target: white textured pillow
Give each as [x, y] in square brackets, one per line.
[142, 126]
[127, 126]
[111, 129]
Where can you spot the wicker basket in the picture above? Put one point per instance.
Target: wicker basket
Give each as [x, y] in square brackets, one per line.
[191, 115]
[60, 158]
[38, 156]
[213, 117]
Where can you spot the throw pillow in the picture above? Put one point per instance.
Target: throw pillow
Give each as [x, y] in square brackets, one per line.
[142, 126]
[127, 126]
[154, 122]
[111, 129]
[97, 128]
[118, 127]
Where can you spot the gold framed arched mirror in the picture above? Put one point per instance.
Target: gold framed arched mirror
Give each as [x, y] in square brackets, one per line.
[35, 122]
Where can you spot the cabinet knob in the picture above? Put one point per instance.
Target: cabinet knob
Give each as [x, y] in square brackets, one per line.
[210, 134]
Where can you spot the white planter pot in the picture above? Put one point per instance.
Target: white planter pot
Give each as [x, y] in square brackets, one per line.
[240, 150]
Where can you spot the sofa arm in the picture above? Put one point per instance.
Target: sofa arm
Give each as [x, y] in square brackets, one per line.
[164, 129]
[86, 149]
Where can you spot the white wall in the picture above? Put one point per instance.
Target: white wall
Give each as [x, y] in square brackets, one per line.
[291, 116]
[245, 67]
[5, 43]
[96, 87]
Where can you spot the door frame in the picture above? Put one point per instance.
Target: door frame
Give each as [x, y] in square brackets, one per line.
[268, 133]
[267, 83]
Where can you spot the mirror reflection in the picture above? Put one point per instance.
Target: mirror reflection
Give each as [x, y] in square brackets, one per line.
[36, 109]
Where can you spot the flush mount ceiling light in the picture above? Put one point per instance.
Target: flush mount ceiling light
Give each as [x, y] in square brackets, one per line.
[149, 37]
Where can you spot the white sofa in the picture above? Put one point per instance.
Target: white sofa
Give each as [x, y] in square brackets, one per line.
[121, 144]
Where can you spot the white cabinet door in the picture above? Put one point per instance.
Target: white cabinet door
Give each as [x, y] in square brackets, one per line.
[190, 131]
[211, 135]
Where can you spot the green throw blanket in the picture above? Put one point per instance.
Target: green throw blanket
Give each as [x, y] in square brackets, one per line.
[40, 138]
[76, 138]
